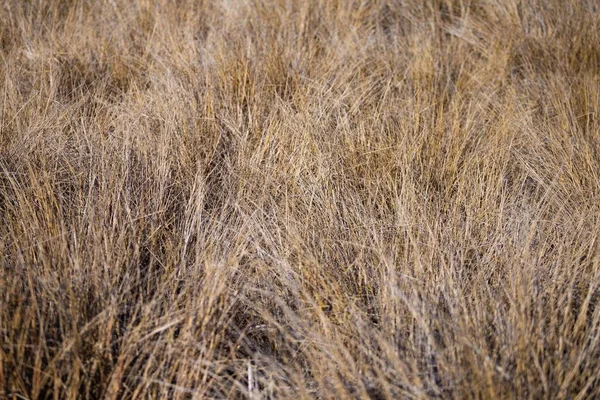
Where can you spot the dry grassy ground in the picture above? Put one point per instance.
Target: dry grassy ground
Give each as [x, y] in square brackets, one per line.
[283, 199]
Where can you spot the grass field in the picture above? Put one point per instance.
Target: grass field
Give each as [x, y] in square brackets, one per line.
[280, 199]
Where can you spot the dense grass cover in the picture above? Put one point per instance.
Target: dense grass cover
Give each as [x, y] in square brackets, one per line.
[274, 199]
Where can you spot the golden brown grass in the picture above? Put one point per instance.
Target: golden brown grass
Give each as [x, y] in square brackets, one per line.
[282, 199]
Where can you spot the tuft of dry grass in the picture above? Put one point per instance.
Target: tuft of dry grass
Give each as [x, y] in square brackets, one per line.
[276, 199]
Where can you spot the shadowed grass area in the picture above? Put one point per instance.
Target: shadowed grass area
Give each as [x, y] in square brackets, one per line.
[280, 199]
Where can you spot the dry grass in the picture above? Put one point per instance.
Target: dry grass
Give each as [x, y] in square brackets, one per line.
[282, 199]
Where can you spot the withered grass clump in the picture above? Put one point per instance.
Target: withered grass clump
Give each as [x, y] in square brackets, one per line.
[280, 199]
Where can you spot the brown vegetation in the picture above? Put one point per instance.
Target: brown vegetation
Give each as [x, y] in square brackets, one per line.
[288, 199]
